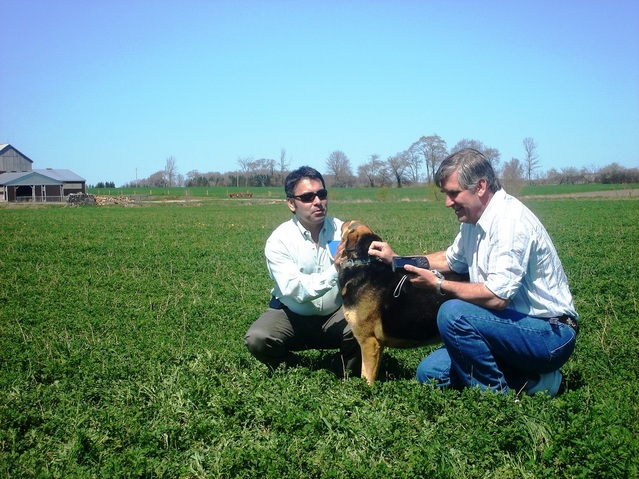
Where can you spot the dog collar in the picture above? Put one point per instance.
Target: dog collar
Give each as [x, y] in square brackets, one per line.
[349, 263]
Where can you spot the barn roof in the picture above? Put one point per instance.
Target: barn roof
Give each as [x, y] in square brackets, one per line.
[6, 147]
[60, 174]
[47, 176]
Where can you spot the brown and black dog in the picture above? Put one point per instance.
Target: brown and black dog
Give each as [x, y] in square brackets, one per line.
[381, 311]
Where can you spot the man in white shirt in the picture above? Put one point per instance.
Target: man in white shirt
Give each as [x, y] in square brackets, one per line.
[305, 309]
[514, 324]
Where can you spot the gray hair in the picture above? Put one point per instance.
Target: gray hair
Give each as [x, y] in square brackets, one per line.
[471, 166]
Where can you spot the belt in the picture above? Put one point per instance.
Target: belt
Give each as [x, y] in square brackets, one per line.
[570, 321]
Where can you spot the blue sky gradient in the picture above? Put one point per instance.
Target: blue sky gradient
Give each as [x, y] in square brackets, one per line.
[110, 89]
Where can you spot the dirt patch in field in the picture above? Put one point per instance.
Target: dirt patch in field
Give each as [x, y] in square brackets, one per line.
[616, 194]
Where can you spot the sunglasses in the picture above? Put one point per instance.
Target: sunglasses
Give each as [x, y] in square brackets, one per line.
[310, 196]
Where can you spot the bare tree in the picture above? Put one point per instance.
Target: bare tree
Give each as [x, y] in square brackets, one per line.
[491, 154]
[283, 166]
[397, 165]
[170, 170]
[467, 143]
[245, 167]
[284, 163]
[531, 160]
[339, 166]
[513, 172]
[413, 165]
[373, 171]
[433, 150]
[157, 179]
[261, 171]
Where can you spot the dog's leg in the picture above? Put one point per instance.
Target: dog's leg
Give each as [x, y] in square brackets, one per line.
[371, 357]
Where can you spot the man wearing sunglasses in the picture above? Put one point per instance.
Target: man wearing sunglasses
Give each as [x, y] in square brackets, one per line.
[305, 308]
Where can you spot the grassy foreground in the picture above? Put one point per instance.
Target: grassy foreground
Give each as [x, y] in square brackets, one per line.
[121, 355]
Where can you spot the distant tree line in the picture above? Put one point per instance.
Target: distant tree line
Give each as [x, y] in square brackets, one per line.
[105, 184]
[415, 165]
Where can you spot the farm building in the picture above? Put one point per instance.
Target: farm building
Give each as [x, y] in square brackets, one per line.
[12, 160]
[19, 182]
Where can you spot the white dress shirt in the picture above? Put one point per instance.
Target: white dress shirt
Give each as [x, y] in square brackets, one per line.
[511, 253]
[304, 275]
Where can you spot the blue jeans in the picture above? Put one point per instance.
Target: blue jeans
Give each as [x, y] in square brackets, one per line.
[498, 350]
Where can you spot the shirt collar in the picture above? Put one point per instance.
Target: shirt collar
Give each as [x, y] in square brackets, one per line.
[492, 209]
[306, 233]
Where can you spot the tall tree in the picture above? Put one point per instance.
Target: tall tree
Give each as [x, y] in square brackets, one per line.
[531, 160]
[413, 165]
[432, 150]
[261, 171]
[491, 154]
[284, 166]
[513, 171]
[245, 167]
[339, 166]
[170, 170]
[468, 143]
[397, 165]
[372, 171]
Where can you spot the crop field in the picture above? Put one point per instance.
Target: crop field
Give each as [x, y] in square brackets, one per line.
[121, 353]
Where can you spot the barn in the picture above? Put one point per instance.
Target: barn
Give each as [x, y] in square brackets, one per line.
[20, 183]
[12, 160]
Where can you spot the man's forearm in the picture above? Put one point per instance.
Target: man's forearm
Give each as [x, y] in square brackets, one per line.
[438, 261]
[476, 293]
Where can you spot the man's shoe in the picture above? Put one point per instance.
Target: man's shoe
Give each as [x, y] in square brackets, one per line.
[548, 382]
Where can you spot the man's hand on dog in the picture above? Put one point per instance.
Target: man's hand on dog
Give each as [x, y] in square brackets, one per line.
[382, 250]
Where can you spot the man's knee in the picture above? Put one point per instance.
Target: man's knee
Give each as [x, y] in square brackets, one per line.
[251, 342]
[448, 314]
[256, 340]
[435, 367]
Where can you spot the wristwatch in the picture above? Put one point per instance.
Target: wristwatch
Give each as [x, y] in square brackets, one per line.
[440, 280]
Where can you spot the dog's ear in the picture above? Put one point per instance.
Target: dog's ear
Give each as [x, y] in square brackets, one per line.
[349, 233]
[352, 234]
[348, 227]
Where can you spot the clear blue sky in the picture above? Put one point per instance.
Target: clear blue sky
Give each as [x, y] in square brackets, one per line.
[106, 88]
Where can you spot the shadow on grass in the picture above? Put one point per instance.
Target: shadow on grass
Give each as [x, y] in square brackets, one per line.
[393, 369]
[390, 368]
[572, 381]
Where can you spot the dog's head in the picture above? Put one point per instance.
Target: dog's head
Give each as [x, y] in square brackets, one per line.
[356, 239]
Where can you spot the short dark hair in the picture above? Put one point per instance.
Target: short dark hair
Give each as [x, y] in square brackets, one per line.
[471, 166]
[295, 176]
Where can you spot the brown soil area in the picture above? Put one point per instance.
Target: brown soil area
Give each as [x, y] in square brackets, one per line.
[617, 194]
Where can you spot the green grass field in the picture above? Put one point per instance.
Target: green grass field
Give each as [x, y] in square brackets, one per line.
[121, 353]
[353, 194]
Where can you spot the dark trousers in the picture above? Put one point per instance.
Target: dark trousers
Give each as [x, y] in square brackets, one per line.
[277, 333]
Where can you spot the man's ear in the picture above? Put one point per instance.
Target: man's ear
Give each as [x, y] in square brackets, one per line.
[482, 187]
[291, 204]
